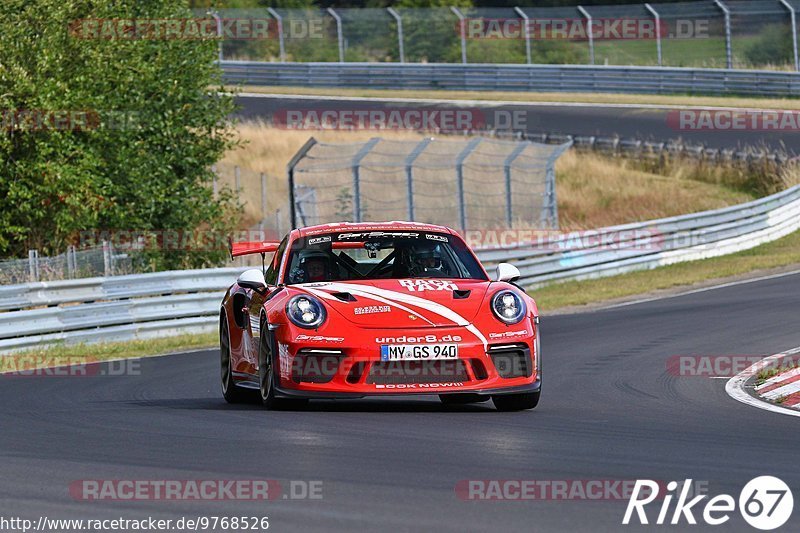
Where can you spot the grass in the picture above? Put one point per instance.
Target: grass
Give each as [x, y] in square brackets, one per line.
[62, 355]
[547, 97]
[780, 253]
[593, 190]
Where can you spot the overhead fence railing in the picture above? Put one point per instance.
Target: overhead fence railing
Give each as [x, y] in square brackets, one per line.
[700, 33]
[167, 303]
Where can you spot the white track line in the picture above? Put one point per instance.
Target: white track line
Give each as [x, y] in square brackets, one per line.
[735, 386]
[492, 103]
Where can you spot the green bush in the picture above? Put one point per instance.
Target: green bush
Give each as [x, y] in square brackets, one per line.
[150, 171]
[773, 46]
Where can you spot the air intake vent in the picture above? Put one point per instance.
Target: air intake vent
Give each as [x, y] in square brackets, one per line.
[460, 295]
[511, 360]
[344, 296]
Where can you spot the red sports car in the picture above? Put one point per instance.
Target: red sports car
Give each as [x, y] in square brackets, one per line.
[349, 310]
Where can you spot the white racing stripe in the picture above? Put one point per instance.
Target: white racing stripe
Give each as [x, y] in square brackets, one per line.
[393, 297]
[329, 296]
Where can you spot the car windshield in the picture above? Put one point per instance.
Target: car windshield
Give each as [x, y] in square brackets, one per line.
[345, 256]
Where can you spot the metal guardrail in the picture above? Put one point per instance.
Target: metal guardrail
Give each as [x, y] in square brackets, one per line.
[536, 78]
[148, 305]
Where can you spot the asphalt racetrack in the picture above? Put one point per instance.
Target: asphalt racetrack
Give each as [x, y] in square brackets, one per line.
[632, 122]
[610, 410]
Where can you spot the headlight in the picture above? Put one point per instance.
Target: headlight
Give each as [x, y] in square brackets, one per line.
[305, 311]
[508, 307]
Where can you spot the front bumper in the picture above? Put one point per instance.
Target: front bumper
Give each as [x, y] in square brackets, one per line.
[321, 369]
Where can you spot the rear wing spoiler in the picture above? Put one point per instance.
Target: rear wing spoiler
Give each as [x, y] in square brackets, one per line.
[252, 247]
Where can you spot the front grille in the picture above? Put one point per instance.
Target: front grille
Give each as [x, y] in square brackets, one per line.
[407, 372]
[511, 360]
[315, 366]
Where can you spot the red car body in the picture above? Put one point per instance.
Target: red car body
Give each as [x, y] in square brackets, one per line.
[476, 355]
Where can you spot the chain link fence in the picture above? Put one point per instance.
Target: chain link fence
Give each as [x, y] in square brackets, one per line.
[72, 264]
[475, 183]
[700, 33]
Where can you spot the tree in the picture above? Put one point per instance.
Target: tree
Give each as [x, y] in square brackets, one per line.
[107, 132]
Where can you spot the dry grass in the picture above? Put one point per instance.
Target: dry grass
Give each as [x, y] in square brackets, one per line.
[593, 190]
[589, 98]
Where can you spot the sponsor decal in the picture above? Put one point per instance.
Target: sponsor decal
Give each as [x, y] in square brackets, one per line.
[440, 238]
[414, 386]
[317, 338]
[507, 334]
[377, 235]
[406, 339]
[318, 240]
[371, 309]
[422, 285]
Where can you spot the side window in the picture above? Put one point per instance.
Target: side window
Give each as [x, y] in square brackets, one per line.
[271, 276]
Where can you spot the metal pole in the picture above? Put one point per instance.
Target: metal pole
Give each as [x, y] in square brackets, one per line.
[301, 153]
[550, 208]
[339, 34]
[263, 196]
[214, 179]
[728, 50]
[399, 21]
[218, 20]
[415, 153]
[281, 43]
[356, 165]
[237, 179]
[589, 33]
[658, 30]
[463, 31]
[793, 14]
[526, 20]
[33, 265]
[507, 168]
[462, 206]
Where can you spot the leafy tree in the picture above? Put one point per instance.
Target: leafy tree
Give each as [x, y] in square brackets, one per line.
[156, 124]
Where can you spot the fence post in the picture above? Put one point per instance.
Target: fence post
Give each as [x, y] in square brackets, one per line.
[728, 50]
[214, 180]
[589, 32]
[462, 205]
[463, 30]
[218, 20]
[263, 196]
[526, 20]
[793, 15]
[33, 265]
[301, 153]
[71, 261]
[278, 222]
[356, 166]
[507, 170]
[281, 43]
[106, 259]
[415, 153]
[339, 35]
[658, 30]
[399, 21]
[550, 208]
[237, 178]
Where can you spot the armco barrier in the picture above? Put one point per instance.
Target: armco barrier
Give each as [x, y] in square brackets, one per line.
[166, 303]
[536, 78]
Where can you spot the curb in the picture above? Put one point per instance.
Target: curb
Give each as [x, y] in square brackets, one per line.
[784, 386]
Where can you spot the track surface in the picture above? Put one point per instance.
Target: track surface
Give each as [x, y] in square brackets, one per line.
[606, 121]
[609, 410]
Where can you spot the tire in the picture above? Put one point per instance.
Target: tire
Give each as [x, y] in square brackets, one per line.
[230, 391]
[516, 402]
[267, 379]
[462, 399]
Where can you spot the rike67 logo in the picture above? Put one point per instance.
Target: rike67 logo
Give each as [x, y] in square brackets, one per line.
[765, 503]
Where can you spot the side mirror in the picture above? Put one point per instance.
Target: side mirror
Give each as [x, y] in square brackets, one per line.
[507, 272]
[252, 279]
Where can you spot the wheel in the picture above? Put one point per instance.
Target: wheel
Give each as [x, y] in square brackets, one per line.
[266, 377]
[230, 391]
[266, 371]
[461, 399]
[516, 402]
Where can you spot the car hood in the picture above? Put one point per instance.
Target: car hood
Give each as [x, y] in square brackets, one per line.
[404, 303]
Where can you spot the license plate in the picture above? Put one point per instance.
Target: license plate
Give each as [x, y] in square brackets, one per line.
[418, 352]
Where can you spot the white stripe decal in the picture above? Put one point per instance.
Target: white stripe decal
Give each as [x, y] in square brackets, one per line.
[323, 294]
[393, 296]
